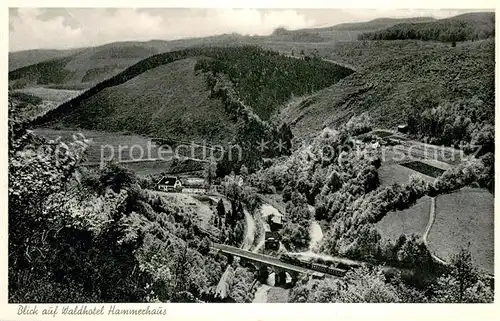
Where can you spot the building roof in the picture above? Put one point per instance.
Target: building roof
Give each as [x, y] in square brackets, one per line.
[272, 234]
[276, 219]
[167, 180]
[193, 182]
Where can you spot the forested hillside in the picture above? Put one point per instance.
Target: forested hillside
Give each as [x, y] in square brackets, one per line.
[85, 67]
[81, 69]
[20, 59]
[244, 86]
[265, 80]
[469, 26]
[409, 83]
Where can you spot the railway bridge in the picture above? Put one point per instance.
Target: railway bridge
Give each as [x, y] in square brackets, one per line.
[261, 260]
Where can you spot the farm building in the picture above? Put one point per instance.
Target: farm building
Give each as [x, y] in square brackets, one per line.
[194, 186]
[169, 184]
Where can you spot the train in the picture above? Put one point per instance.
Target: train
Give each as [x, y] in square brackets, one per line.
[336, 271]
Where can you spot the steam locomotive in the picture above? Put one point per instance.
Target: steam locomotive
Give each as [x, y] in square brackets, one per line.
[313, 266]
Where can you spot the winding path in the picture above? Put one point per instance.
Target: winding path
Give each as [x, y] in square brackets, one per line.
[432, 217]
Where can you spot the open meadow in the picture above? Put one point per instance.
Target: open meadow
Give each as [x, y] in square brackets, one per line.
[395, 173]
[464, 218]
[410, 221]
[56, 96]
[106, 146]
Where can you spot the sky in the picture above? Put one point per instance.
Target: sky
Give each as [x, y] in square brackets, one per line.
[64, 28]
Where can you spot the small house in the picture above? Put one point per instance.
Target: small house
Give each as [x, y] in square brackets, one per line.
[403, 128]
[272, 240]
[169, 184]
[275, 222]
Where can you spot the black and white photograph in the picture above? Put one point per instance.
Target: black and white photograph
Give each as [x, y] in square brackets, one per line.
[246, 155]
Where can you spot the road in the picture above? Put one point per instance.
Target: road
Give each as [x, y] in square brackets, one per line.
[265, 210]
[249, 231]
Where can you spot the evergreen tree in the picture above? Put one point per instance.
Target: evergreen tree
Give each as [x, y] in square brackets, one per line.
[221, 212]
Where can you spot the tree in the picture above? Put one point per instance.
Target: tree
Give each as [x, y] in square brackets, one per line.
[117, 177]
[464, 271]
[244, 171]
[210, 172]
[221, 212]
[361, 285]
[205, 246]
[463, 283]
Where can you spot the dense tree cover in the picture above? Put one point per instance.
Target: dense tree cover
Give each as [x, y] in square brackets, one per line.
[466, 123]
[330, 162]
[241, 290]
[394, 77]
[265, 79]
[326, 174]
[295, 233]
[363, 285]
[406, 252]
[255, 138]
[463, 283]
[47, 72]
[359, 125]
[237, 284]
[269, 180]
[221, 212]
[446, 30]
[459, 284]
[74, 232]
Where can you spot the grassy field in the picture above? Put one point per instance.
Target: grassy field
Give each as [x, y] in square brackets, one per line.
[202, 209]
[120, 146]
[106, 145]
[410, 221]
[465, 218]
[395, 173]
[424, 168]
